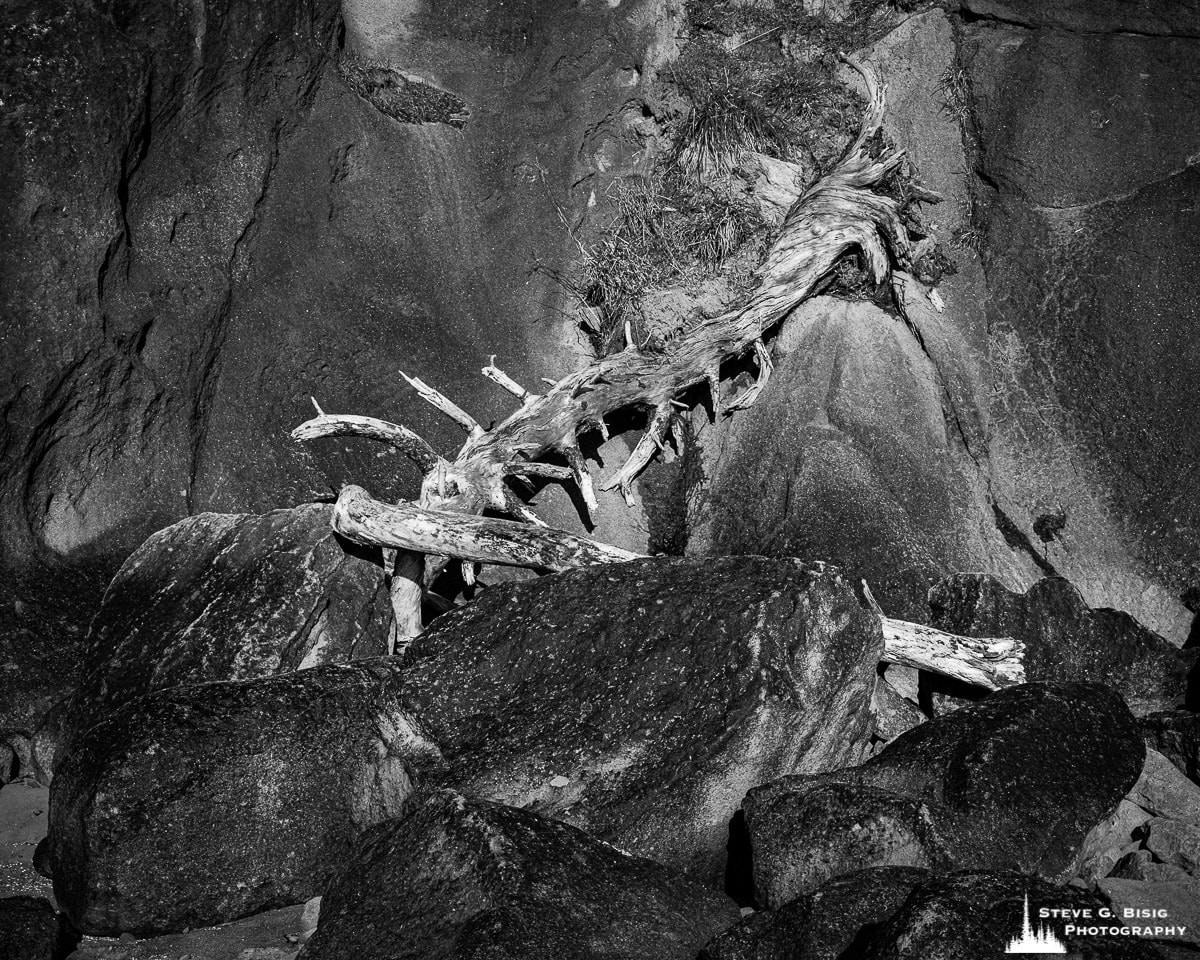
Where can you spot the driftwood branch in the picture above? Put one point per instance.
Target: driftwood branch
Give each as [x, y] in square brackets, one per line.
[444, 404]
[499, 377]
[348, 425]
[364, 520]
[990, 663]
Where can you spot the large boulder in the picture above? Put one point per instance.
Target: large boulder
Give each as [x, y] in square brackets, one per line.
[1164, 903]
[204, 803]
[976, 914]
[1176, 735]
[30, 930]
[231, 597]
[641, 701]
[1015, 781]
[1065, 639]
[824, 925]
[467, 879]
[802, 838]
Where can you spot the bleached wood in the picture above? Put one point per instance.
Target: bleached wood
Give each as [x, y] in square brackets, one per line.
[359, 517]
[991, 662]
[349, 425]
[444, 404]
[499, 377]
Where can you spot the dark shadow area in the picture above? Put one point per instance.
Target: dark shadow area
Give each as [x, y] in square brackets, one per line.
[739, 874]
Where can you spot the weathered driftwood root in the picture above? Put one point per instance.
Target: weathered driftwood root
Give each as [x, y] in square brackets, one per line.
[838, 214]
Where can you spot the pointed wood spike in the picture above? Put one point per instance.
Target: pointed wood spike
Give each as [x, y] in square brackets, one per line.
[445, 405]
[650, 441]
[515, 508]
[713, 377]
[317, 407]
[583, 477]
[502, 379]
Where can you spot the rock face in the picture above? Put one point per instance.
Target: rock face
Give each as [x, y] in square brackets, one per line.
[29, 930]
[460, 878]
[823, 925]
[802, 838]
[1163, 791]
[1065, 639]
[204, 803]
[1176, 735]
[1032, 422]
[1013, 782]
[183, 291]
[1180, 899]
[229, 597]
[641, 701]
[205, 223]
[976, 914]
[1078, 181]
[1154, 834]
[851, 404]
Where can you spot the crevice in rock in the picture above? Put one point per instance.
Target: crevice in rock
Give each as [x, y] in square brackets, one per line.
[968, 16]
[214, 342]
[739, 875]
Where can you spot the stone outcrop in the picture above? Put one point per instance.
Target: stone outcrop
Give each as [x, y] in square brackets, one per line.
[204, 803]
[469, 879]
[641, 701]
[231, 597]
[1014, 782]
[1067, 640]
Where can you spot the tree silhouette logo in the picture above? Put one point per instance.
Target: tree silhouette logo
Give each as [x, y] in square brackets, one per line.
[1043, 940]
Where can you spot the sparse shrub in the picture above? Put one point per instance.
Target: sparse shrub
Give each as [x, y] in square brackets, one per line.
[718, 132]
[954, 86]
[718, 226]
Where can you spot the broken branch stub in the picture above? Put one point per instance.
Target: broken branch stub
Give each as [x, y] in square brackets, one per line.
[992, 662]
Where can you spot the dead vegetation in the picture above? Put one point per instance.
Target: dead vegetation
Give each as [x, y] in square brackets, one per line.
[753, 79]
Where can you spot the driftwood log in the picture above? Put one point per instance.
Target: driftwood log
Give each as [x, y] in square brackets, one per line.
[839, 214]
